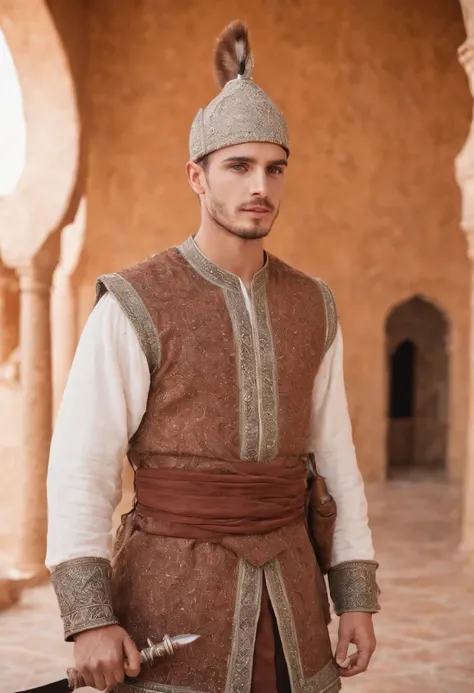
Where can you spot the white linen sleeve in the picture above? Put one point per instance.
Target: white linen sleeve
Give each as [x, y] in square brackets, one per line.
[102, 406]
[333, 447]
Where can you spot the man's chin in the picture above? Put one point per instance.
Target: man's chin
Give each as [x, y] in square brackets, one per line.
[250, 234]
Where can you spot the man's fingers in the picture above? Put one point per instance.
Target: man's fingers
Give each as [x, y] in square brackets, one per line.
[349, 661]
[113, 672]
[98, 680]
[100, 655]
[358, 663]
[88, 680]
[342, 647]
[132, 662]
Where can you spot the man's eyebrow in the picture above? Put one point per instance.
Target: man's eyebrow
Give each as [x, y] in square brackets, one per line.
[240, 159]
[251, 160]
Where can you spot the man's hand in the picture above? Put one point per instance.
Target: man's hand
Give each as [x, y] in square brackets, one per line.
[356, 628]
[104, 655]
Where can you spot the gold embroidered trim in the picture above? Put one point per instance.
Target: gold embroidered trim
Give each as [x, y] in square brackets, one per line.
[246, 375]
[332, 688]
[327, 680]
[354, 587]
[331, 314]
[266, 369]
[153, 687]
[82, 588]
[324, 681]
[136, 311]
[247, 612]
[212, 272]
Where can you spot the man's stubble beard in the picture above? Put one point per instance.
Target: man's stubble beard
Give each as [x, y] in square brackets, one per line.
[218, 214]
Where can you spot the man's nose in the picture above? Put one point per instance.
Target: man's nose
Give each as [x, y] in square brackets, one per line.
[258, 184]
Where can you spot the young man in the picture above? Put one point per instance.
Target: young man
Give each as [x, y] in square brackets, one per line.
[216, 368]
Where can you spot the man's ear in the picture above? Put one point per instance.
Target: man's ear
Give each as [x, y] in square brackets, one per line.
[195, 174]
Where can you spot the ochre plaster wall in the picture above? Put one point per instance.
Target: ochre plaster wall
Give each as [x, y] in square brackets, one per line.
[378, 108]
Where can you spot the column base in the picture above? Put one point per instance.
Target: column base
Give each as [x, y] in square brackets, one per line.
[10, 591]
[32, 576]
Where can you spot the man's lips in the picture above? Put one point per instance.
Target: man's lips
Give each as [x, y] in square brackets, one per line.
[257, 209]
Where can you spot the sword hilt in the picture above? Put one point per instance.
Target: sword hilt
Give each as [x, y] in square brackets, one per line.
[154, 651]
[165, 648]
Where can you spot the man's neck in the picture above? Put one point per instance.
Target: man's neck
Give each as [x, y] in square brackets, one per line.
[237, 255]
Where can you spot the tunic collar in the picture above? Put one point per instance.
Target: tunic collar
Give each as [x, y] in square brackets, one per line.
[215, 274]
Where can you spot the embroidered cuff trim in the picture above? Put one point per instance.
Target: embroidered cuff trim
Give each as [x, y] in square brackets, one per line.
[353, 587]
[83, 590]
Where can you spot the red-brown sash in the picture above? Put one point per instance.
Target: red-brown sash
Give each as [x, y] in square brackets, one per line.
[191, 504]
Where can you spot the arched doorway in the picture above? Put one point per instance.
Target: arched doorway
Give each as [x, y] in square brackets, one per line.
[417, 365]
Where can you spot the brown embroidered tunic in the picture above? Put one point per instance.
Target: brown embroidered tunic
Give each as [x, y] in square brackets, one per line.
[226, 391]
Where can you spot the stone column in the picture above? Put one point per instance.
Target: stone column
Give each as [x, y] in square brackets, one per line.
[35, 341]
[64, 318]
[64, 333]
[467, 537]
[464, 168]
[4, 282]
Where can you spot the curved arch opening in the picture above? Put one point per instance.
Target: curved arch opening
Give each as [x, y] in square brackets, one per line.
[417, 407]
[402, 380]
[12, 123]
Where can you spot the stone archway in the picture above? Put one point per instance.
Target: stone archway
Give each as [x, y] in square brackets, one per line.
[41, 203]
[418, 375]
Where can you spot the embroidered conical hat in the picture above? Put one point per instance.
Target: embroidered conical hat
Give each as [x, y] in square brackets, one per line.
[242, 112]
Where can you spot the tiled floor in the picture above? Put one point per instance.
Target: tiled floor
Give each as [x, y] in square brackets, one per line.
[425, 631]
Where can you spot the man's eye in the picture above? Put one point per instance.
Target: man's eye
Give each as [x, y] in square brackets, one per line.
[238, 167]
[275, 169]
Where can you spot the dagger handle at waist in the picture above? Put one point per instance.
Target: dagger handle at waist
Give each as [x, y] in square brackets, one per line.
[148, 655]
[154, 651]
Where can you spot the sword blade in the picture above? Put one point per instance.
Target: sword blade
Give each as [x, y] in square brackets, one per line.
[61, 686]
[181, 640]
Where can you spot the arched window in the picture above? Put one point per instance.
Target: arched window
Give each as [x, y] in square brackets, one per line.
[402, 381]
[12, 123]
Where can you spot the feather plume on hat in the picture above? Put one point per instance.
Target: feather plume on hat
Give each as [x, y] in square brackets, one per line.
[233, 56]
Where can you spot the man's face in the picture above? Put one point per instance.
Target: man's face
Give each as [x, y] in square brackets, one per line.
[243, 188]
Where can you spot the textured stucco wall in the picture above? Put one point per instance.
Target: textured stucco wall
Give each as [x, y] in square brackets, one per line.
[378, 108]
